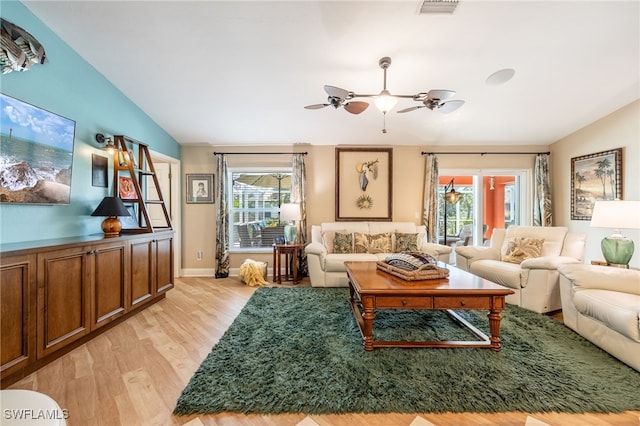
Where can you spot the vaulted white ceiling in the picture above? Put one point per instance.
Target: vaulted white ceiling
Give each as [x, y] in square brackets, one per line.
[240, 72]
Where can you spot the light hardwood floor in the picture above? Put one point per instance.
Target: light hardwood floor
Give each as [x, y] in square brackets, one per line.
[133, 373]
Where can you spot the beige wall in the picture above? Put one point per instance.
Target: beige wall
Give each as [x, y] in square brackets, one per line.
[408, 176]
[618, 130]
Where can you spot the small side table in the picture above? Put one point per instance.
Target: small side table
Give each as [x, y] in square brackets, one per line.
[604, 263]
[290, 251]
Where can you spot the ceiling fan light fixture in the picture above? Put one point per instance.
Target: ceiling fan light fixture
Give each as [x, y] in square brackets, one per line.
[385, 101]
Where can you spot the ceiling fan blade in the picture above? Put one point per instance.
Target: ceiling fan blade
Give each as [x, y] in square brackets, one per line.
[316, 106]
[447, 107]
[440, 94]
[356, 107]
[336, 92]
[410, 109]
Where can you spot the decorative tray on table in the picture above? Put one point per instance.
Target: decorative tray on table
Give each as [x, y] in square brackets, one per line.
[412, 267]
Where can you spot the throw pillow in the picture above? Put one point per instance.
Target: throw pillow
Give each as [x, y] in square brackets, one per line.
[328, 237]
[360, 242]
[406, 242]
[343, 243]
[521, 248]
[379, 243]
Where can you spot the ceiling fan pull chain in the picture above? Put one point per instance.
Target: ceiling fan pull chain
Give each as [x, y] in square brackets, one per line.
[384, 123]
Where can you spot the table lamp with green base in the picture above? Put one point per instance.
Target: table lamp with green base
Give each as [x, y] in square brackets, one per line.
[617, 214]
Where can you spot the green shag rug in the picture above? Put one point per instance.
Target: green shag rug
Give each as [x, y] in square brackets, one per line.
[299, 350]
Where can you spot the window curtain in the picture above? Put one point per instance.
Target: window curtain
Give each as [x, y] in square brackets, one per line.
[430, 204]
[542, 215]
[222, 218]
[298, 195]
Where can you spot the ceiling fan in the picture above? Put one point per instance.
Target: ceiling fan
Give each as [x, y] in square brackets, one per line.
[385, 101]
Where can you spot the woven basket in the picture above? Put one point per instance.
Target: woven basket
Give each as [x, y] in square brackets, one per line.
[425, 272]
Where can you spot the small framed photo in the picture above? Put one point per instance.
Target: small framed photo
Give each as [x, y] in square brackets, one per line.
[99, 170]
[200, 189]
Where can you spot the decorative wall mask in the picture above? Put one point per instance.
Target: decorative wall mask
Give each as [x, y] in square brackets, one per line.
[19, 49]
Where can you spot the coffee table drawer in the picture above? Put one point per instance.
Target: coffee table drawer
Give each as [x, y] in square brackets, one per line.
[462, 302]
[390, 302]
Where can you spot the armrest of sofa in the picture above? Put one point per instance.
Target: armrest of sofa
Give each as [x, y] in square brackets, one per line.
[601, 277]
[466, 255]
[437, 249]
[316, 248]
[473, 253]
[548, 262]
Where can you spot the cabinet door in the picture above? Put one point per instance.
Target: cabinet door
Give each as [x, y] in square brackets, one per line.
[141, 266]
[63, 298]
[17, 316]
[163, 264]
[109, 283]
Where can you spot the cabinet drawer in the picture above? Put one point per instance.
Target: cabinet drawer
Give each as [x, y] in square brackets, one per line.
[404, 302]
[462, 302]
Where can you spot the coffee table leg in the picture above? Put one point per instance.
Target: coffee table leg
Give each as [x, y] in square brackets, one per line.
[367, 328]
[494, 327]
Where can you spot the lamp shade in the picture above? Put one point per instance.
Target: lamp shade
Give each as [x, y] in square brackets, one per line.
[617, 214]
[290, 211]
[111, 206]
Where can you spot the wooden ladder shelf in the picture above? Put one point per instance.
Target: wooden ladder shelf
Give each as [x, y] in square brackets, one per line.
[133, 168]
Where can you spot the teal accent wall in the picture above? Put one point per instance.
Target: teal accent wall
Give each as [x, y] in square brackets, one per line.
[69, 86]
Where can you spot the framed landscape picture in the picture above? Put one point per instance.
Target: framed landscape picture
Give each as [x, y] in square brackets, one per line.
[595, 177]
[363, 184]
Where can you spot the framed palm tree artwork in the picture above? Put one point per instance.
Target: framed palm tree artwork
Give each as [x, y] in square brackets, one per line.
[595, 177]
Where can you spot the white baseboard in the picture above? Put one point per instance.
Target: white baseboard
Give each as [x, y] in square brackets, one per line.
[209, 272]
[197, 272]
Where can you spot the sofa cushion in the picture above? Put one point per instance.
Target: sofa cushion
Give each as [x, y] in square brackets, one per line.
[618, 311]
[329, 236]
[343, 243]
[522, 248]
[405, 242]
[367, 243]
[503, 273]
[335, 262]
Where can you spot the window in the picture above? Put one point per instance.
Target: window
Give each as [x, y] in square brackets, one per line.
[491, 199]
[254, 214]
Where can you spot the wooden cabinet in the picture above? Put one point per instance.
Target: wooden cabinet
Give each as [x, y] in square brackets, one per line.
[17, 319]
[63, 298]
[57, 296]
[163, 264]
[109, 282]
[151, 267]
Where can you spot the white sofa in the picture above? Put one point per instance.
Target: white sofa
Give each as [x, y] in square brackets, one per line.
[326, 268]
[535, 280]
[602, 304]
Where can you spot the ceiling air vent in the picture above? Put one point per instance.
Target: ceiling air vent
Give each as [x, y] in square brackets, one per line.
[438, 6]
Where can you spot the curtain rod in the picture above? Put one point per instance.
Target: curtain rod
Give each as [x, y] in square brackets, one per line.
[259, 153]
[483, 153]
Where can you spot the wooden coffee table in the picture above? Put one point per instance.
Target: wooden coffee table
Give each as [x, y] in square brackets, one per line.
[371, 289]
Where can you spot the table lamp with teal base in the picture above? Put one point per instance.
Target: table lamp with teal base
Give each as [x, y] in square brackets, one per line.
[618, 214]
